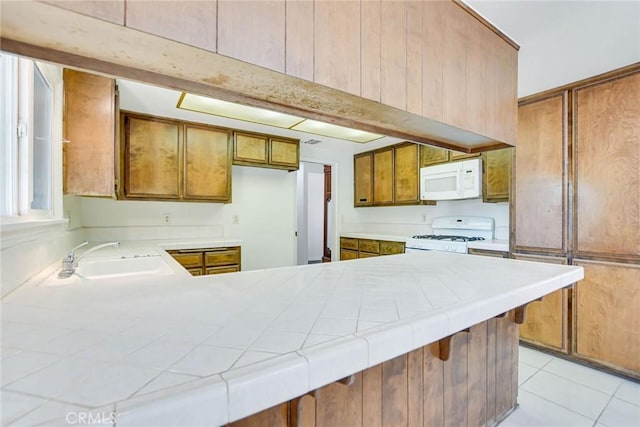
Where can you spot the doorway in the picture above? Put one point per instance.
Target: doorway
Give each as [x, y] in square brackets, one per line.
[315, 213]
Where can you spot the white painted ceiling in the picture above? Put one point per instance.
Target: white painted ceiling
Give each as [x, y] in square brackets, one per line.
[564, 41]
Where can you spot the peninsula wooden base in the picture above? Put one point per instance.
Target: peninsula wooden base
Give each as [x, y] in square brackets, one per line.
[477, 385]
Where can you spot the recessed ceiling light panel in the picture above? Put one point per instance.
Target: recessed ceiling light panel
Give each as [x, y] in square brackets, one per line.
[335, 131]
[203, 104]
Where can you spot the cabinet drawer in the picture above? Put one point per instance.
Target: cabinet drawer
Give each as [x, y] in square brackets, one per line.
[348, 254]
[371, 246]
[366, 254]
[390, 248]
[195, 271]
[222, 256]
[348, 243]
[223, 269]
[188, 259]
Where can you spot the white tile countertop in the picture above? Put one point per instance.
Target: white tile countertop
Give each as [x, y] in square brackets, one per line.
[178, 350]
[387, 237]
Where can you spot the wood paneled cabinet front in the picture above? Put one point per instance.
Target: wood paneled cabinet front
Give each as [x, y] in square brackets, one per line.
[165, 159]
[352, 248]
[89, 129]
[496, 175]
[388, 176]
[205, 261]
[363, 179]
[606, 310]
[547, 322]
[251, 149]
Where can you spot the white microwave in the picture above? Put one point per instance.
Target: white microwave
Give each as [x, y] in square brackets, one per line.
[451, 181]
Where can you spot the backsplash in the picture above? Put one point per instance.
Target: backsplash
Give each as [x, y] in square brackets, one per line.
[410, 220]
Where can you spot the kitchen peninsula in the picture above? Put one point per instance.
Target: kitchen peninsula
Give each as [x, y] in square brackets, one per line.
[419, 336]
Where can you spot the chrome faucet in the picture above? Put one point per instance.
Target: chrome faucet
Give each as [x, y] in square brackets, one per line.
[70, 261]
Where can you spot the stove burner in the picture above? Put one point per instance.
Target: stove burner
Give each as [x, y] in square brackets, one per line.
[447, 238]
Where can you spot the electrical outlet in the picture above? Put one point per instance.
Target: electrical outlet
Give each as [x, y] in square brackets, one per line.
[426, 218]
[166, 218]
[236, 219]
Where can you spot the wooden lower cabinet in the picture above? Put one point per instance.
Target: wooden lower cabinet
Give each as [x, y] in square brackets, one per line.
[476, 385]
[352, 248]
[205, 261]
[607, 315]
[547, 321]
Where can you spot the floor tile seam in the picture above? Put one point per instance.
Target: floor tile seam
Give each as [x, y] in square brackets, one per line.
[60, 359]
[604, 409]
[577, 383]
[615, 393]
[591, 370]
[560, 406]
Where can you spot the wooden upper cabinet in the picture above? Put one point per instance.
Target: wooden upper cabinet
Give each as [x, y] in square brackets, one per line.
[370, 50]
[166, 159]
[383, 176]
[89, 126]
[112, 11]
[459, 155]
[250, 148]
[337, 29]
[253, 32]
[406, 169]
[496, 175]
[540, 184]
[607, 314]
[363, 179]
[299, 39]
[393, 55]
[285, 153]
[207, 164]
[433, 155]
[152, 149]
[607, 168]
[169, 21]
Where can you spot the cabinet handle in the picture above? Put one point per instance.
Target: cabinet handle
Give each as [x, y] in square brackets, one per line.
[363, 200]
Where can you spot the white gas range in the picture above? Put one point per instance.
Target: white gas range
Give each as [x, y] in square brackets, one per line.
[451, 234]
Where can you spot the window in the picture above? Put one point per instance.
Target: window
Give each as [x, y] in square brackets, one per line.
[31, 121]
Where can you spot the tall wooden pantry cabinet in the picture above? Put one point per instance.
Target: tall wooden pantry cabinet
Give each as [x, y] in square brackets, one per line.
[577, 200]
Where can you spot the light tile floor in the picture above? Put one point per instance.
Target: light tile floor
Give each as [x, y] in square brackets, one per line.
[556, 393]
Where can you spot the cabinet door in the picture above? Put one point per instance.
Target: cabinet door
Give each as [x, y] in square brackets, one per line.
[607, 169]
[433, 155]
[383, 176]
[207, 164]
[249, 148]
[540, 184]
[496, 175]
[607, 315]
[346, 254]
[89, 121]
[363, 179]
[222, 256]
[406, 173]
[284, 153]
[151, 158]
[458, 155]
[547, 321]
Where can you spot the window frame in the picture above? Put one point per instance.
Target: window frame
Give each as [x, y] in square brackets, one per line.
[17, 152]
